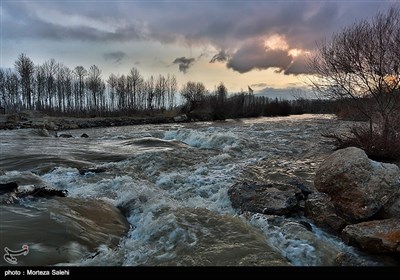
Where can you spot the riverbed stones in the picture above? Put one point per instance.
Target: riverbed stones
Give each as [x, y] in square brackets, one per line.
[381, 236]
[358, 187]
[272, 198]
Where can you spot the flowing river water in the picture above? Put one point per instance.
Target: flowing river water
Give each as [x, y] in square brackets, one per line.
[171, 181]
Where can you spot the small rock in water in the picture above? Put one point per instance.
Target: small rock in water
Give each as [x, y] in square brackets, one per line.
[2, 172]
[65, 135]
[8, 187]
[84, 135]
[271, 198]
[43, 192]
[83, 171]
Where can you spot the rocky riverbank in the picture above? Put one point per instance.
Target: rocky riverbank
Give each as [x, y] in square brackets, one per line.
[353, 197]
[32, 119]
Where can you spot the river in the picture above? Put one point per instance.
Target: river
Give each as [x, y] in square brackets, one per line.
[171, 180]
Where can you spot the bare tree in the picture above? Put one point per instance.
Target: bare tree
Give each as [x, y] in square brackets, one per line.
[80, 75]
[361, 64]
[136, 81]
[172, 88]
[194, 94]
[112, 85]
[25, 68]
[94, 85]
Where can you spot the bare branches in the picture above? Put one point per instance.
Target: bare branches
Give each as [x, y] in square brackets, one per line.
[361, 65]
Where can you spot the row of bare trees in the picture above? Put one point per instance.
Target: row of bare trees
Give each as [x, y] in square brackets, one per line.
[54, 87]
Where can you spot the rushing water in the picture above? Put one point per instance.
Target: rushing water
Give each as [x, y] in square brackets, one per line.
[172, 181]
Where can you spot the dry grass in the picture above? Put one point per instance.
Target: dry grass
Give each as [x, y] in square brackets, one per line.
[378, 145]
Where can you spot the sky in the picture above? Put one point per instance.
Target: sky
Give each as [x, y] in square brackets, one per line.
[261, 44]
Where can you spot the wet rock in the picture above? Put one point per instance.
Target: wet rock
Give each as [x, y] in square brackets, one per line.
[347, 259]
[382, 236]
[359, 187]
[42, 192]
[43, 132]
[305, 187]
[268, 198]
[180, 118]
[83, 171]
[84, 135]
[64, 135]
[321, 210]
[127, 206]
[8, 187]
[2, 172]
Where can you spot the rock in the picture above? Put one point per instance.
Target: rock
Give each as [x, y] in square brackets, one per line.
[270, 198]
[64, 135]
[382, 236]
[84, 135]
[393, 211]
[305, 187]
[181, 118]
[321, 210]
[51, 126]
[359, 187]
[43, 192]
[8, 187]
[42, 132]
[347, 259]
[2, 172]
[83, 171]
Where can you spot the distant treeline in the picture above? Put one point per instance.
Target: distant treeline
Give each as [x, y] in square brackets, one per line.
[56, 89]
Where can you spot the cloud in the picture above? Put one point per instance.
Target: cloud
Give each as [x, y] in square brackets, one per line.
[221, 56]
[239, 27]
[254, 55]
[299, 66]
[259, 85]
[227, 26]
[184, 63]
[115, 57]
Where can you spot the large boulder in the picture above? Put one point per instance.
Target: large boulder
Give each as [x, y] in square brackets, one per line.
[359, 187]
[271, 198]
[381, 236]
[321, 210]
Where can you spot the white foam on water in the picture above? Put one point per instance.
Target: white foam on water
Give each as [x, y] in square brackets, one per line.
[210, 139]
[297, 251]
[152, 185]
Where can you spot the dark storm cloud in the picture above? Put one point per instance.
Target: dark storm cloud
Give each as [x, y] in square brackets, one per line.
[254, 55]
[184, 63]
[115, 57]
[299, 66]
[222, 25]
[221, 56]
